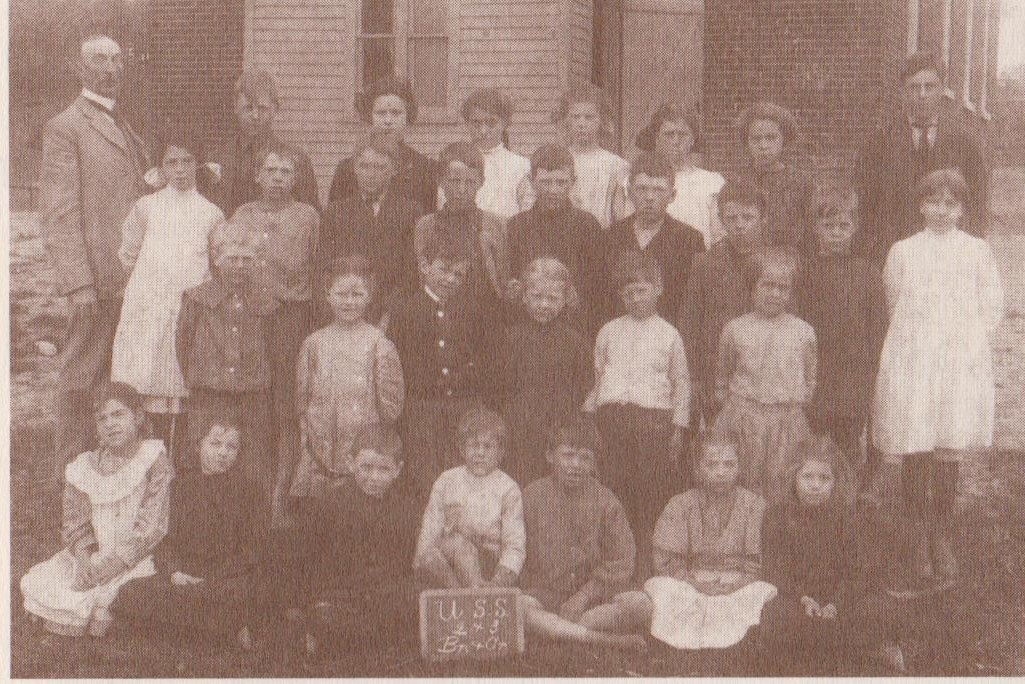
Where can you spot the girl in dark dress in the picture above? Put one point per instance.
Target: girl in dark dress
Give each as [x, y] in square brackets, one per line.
[205, 565]
[389, 107]
[767, 133]
[545, 367]
[830, 608]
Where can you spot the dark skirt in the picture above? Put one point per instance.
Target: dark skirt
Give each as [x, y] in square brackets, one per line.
[217, 606]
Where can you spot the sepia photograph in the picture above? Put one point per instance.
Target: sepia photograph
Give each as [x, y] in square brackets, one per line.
[516, 338]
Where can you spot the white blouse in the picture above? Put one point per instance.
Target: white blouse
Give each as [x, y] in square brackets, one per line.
[695, 202]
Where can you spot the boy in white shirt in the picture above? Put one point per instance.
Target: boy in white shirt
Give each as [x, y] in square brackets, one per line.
[473, 533]
[641, 399]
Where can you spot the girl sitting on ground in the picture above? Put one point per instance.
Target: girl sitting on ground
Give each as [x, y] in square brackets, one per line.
[707, 590]
[825, 613]
[115, 511]
[205, 565]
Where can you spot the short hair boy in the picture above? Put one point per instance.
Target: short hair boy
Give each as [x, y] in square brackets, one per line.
[555, 228]
[472, 533]
[641, 398]
[223, 347]
[580, 550]
[716, 291]
[461, 169]
[375, 221]
[360, 541]
[445, 336]
[655, 233]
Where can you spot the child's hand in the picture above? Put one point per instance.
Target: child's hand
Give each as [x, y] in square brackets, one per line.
[504, 577]
[829, 612]
[107, 568]
[573, 607]
[513, 290]
[83, 571]
[181, 579]
[453, 518]
[811, 607]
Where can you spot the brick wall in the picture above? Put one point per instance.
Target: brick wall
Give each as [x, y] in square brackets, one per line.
[825, 60]
[194, 57]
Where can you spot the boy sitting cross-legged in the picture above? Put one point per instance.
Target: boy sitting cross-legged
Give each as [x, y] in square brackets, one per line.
[472, 533]
[359, 542]
[580, 550]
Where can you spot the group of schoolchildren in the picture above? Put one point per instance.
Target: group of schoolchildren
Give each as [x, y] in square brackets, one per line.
[636, 391]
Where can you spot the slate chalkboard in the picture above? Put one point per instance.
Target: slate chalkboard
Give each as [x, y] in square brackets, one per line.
[482, 624]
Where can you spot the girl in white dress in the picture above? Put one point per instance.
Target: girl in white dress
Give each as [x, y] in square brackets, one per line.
[602, 176]
[673, 133]
[707, 590]
[934, 395]
[115, 511]
[164, 245]
[507, 190]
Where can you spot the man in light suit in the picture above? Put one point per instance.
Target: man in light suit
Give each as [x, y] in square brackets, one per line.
[91, 176]
[923, 137]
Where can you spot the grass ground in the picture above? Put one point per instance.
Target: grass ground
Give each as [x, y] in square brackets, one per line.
[977, 630]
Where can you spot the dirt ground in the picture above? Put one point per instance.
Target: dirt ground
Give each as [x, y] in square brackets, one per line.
[977, 630]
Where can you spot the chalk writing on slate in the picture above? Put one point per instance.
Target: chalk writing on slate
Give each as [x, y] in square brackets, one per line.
[461, 624]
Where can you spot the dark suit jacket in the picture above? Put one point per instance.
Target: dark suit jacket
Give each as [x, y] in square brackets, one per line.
[446, 355]
[237, 185]
[416, 178]
[91, 176]
[673, 248]
[350, 227]
[889, 167]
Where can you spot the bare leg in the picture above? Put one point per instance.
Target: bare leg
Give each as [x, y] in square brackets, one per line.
[629, 612]
[464, 558]
[436, 571]
[540, 621]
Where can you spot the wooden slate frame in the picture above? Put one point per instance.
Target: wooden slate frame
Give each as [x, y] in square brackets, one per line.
[484, 592]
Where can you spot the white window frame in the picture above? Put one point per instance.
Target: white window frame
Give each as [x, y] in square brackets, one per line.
[987, 28]
[948, 8]
[969, 40]
[400, 33]
[914, 22]
[914, 15]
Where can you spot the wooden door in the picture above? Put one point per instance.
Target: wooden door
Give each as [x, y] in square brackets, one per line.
[663, 59]
[607, 46]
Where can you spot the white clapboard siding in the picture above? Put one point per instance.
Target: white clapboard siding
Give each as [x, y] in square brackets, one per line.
[528, 48]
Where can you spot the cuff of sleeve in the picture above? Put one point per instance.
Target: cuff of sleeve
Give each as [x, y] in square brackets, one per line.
[67, 288]
[83, 543]
[508, 564]
[128, 553]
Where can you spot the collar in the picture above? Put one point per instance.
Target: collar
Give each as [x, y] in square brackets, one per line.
[105, 102]
[214, 292]
[497, 149]
[638, 228]
[470, 216]
[378, 200]
[931, 124]
[255, 143]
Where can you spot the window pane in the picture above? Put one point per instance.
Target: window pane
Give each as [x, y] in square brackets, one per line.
[428, 70]
[428, 17]
[958, 35]
[378, 16]
[930, 26]
[980, 47]
[378, 59]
